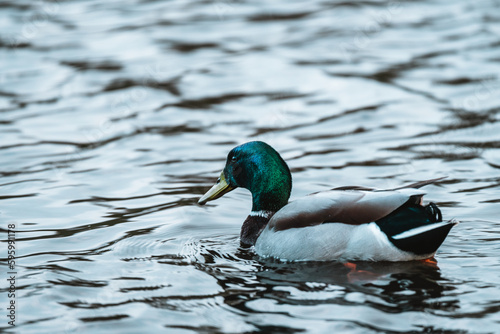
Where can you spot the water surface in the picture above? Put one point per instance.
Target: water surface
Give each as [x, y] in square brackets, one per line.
[116, 116]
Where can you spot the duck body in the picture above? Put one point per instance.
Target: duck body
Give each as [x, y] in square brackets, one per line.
[346, 225]
[342, 224]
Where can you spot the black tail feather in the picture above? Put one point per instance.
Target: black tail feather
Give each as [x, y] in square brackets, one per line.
[406, 228]
[434, 212]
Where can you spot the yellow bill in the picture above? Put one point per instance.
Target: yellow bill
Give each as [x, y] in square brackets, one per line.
[220, 188]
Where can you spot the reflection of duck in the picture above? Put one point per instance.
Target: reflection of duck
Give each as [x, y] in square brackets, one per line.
[366, 273]
[409, 286]
[348, 223]
[391, 287]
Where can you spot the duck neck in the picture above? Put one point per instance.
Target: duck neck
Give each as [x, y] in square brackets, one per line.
[270, 190]
[253, 227]
[263, 202]
[266, 201]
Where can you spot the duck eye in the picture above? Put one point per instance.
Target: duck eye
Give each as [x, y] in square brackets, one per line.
[233, 158]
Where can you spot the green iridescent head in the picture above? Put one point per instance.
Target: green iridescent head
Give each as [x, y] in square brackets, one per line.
[257, 167]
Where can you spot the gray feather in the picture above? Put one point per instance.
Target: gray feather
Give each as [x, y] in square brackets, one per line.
[353, 207]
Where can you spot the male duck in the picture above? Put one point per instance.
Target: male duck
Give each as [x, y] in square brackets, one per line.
[342, 224]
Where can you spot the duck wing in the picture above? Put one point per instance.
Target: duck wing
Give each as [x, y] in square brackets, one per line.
[354, 207]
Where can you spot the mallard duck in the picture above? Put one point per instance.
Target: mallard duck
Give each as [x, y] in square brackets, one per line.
[342, 224]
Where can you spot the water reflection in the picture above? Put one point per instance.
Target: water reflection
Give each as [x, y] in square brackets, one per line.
[402, 286]
[400, 283]
[267, 286]
[116, 116]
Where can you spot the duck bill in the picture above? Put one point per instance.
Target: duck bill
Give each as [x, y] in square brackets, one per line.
[218, 190]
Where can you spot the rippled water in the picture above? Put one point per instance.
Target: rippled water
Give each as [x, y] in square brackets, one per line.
[115, 116]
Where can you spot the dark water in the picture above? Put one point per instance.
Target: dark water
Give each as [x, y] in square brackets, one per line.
[116, 115]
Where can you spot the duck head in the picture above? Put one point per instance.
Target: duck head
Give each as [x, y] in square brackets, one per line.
[255, 166]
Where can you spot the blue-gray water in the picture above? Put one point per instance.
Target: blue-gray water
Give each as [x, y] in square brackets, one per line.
[115, 116]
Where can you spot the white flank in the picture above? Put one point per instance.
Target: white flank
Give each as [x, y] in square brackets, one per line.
[331, 242]
[419, 230]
